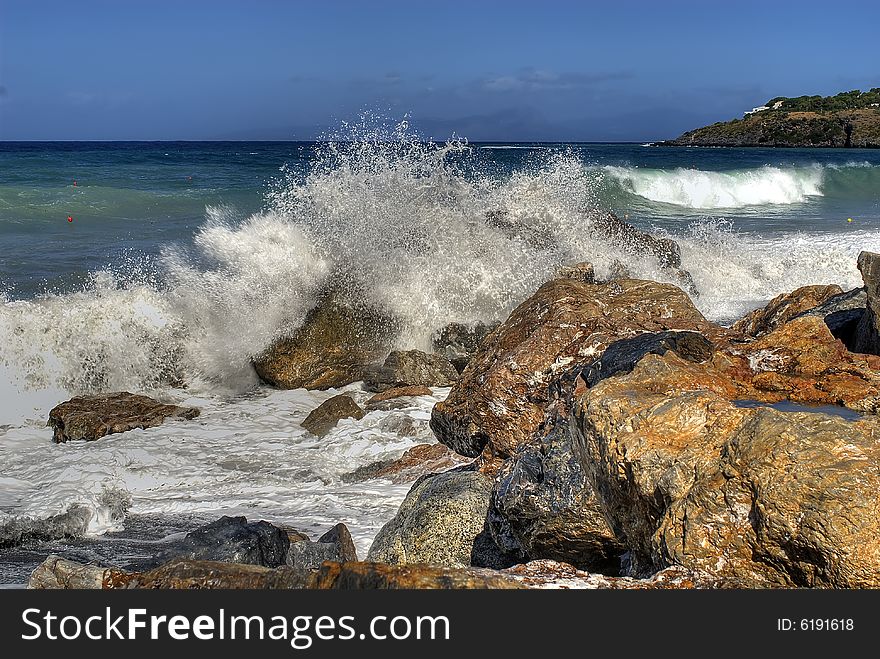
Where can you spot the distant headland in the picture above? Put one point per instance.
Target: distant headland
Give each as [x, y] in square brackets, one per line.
[848, 119]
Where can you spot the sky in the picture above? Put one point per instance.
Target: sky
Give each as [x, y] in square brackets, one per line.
[486, 70]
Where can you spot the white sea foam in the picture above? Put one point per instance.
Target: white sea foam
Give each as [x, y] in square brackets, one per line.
[694, 188]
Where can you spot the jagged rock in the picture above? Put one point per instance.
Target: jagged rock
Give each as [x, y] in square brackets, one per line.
[543, 507]
[418, 461]
[500, 399]
[623, 234]
[439, 523]
[867, 333]
[686, 477]
[582, 272]
[842, 314]
[232, 540]
[783, 308]
[458, 342]
[331, 348]
[93, 417]
[390, 398]
[324, 418]
[335, 545]
[404, 368]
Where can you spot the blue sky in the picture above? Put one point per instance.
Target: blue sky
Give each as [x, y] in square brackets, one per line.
[261, 69]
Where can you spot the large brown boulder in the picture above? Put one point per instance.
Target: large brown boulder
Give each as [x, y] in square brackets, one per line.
[93, 417]
[500, 399]
[687, 477]
[783, 308]
[330, 349]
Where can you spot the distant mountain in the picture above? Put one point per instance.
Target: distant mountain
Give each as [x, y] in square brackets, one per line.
[849, 119]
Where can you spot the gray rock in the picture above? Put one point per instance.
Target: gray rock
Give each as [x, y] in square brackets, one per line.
[867, 334]
[335, 545]
[842, 314]
[458, 342]
[324, 418]
[232, 540]
[441, 522]
[405, 368]
[622, 356]
[543, 507]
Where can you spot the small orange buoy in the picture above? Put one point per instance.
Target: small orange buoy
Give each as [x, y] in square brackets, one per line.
[70, 218]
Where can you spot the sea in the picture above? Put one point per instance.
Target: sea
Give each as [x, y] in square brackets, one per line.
[123, 261]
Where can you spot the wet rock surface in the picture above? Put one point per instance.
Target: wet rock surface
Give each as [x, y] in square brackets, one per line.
[92, 417]
[233, 540]
[331, 349]
[324, 418]
[335, 545]
[408, 368]
[416, 462]
[458, 342]
[785, 307]
[867, 333]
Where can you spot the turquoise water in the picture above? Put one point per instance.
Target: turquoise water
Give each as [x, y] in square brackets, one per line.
[133, 199]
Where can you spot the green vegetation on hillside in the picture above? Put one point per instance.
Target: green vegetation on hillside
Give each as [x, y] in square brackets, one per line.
[848, 119]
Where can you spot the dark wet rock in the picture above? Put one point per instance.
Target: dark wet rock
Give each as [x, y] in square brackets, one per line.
[324, 418]
[500, 400]
[543, 507]
[406, 368]
[391, 398]
[623, 234]
[331, 348]
[418, 461]
[93, 417]
[233, 540]
[842, 314]
[458, 342]
[783, 308]
[70, 524]
[622, 356]
[867, 333]
[439, 522]
[530, 230]
[582, 272]
[335, 545]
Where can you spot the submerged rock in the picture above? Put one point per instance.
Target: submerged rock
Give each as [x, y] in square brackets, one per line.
[407, 368]
[324, 418]
[233, 540]
[783, 308]
[70, 524]
[331, 348]
[867, 333]
[418, 461]
[500, 399]
[335, 545]
[391, 399]
[440, 523]
[689, 478]
[458, 342]
[92, 417]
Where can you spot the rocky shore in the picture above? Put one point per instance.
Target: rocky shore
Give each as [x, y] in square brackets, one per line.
[605, 435]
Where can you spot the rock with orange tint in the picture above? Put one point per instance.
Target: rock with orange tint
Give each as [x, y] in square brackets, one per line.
[500, 399]
[686, 477]
[867, 335]
[783, 308]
